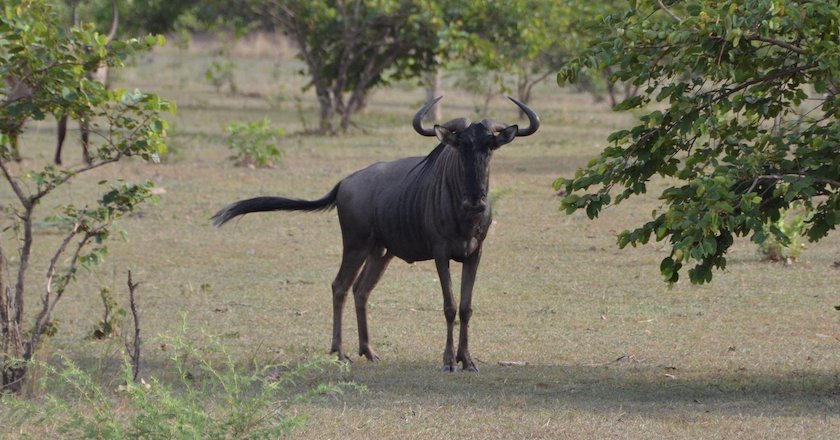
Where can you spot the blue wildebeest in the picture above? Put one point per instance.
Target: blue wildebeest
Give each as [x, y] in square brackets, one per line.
[417, 208]
[100, 74]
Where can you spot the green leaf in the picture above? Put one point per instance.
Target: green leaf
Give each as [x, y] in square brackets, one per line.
[629, 103]
[618, 135]
[694, 9]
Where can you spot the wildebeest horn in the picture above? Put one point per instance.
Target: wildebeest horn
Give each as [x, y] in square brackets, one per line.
[417, 122]
[533, 119]
[115, 19]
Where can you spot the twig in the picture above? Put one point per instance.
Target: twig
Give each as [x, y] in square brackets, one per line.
[668, 11]
[829, 182]
[134, 351]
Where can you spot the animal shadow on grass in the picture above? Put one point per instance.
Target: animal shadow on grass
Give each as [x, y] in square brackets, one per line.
[628, 387]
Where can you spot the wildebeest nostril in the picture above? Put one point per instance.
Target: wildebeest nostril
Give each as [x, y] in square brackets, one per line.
[476, 206]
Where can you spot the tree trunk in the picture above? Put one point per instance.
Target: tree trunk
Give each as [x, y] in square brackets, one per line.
[326, 105]
[12, 351]
[432, 92]
[361, 104]
[357, 100]
[14, 373]
[523, 92]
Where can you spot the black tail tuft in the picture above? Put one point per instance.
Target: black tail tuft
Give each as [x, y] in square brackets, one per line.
[261, 204]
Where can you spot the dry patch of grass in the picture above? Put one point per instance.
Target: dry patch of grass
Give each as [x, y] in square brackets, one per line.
[596, 345]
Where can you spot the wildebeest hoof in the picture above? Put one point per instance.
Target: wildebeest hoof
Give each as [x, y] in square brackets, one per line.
[449, 368]
[470, 367]
[369, 354]
[342, 357]
[467, 362]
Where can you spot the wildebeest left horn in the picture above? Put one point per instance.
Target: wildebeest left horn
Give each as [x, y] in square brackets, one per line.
[417, 122]
[533, 119]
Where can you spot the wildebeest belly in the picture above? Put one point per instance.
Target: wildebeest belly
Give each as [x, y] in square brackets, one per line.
[406, 250]
[455, 249]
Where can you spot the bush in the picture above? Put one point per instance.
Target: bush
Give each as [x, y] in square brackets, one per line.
[784, 236]
[254, 143]
[215, 397]
[219, 74]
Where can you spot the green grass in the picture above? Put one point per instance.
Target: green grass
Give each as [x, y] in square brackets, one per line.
[601, 346]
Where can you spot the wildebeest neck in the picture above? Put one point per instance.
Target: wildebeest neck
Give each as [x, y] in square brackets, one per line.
[456, 189]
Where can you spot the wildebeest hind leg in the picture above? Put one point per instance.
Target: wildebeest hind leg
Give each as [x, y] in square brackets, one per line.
[62, 133]
[84, 127]
[375, 266]
[351, 261]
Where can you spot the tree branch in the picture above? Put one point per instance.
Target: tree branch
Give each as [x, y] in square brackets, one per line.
[134, 351]
[25, 201]
[775, 42]
[775, 75]
[830, 182]
[668, 11]
[47, 300]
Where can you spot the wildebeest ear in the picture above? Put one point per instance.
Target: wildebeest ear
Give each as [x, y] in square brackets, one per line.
[445, 135]
[506, 135]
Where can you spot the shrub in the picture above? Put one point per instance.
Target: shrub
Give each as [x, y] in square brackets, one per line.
[215, 397]
[784, 236]
[219, 74]
[255, 143]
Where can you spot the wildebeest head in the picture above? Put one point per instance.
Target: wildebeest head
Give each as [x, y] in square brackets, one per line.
[475, 143]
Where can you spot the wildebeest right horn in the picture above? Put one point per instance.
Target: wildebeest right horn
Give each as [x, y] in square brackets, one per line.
[533, 119]
[417, 122]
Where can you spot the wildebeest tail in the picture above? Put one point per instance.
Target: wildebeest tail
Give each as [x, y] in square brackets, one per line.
[261, 204]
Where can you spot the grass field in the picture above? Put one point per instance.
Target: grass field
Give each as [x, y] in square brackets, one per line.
[574, 338]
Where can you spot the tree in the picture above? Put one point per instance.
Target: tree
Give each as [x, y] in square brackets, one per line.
[526, 39]
[352, 46]
[46, 65]
[745, 123]
[519, 37]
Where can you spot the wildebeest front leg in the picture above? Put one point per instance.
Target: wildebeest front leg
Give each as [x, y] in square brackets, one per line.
[351, 262]
[442, 265]
[375, 266]
[468, 272]
[84, 128]
[15, 150]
